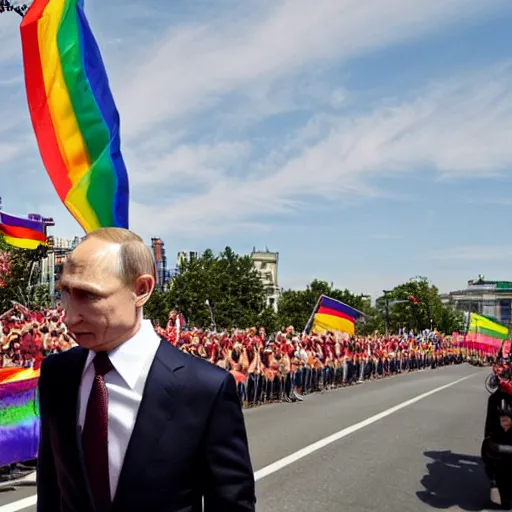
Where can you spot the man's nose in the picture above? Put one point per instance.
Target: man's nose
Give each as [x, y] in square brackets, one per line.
[73, 317]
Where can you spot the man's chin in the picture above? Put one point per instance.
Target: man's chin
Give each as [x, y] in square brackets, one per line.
[86, 339]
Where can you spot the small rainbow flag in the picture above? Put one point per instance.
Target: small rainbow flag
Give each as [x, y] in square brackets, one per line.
[73, 113]
[19, 415]
[486, 328]
[22, 233]
[484, 335]
[331, 315]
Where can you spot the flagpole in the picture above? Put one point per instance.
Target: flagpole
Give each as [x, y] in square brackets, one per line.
[212, 316]
[310, 321]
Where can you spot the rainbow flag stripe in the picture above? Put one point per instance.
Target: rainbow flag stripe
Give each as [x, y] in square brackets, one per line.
[334, 316]
[73, 113]
[22, 233]
[19, 415]
[486, 328]
[484, 335]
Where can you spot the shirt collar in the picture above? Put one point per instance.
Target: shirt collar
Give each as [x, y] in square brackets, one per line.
[128, 359]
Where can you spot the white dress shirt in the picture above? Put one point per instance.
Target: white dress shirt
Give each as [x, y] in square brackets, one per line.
[125, 384]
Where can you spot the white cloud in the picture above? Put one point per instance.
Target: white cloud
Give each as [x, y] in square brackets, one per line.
[339, 97]
[191, 67]
[459, 128]
[9, 37]
[8, 152]
[14, 80]
[191, 163]
[475, 253]
[172, 136]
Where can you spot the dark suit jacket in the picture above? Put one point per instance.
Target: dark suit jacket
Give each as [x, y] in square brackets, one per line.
[189, 440]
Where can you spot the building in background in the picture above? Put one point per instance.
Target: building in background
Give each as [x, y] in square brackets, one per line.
[47, 221]
[182, 257]
[51, 266]
[163, 276]
[488, 298]
[60, 247]
[267, 264]
[186, 256]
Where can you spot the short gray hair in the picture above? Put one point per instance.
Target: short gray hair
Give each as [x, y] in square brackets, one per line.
[134, 257]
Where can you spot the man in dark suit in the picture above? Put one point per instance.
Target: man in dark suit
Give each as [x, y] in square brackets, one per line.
[128, 422]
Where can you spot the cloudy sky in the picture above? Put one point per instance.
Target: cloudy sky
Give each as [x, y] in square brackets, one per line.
[367, 142]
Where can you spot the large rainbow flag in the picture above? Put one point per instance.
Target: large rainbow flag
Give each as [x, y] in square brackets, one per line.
[19, 415]
[73, 113]
[331, 315]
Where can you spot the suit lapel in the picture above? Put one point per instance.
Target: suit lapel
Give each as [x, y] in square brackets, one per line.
[73, 378]
[159, 400]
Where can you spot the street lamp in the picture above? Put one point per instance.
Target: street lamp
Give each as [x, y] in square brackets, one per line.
[8, 6]
[17, 7]
[386, 318]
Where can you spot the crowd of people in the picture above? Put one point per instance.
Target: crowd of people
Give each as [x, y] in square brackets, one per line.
[26, 336]
[283, 366]
[286, 365]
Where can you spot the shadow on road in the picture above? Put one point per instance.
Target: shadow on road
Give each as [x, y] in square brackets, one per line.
[455, 480]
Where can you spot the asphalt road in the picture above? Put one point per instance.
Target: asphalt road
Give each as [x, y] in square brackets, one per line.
[407, 443]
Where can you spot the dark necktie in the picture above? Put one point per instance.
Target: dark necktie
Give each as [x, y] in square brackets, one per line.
[95, 435]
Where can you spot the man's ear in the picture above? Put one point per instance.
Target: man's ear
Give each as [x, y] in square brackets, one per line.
[144, 287]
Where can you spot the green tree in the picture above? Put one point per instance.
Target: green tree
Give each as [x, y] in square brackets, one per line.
[227, 282]
[450, 320]
[296, 306]
[268, 320]
[371, 323]
[416, 305]
[20, 280]
[40, 297]
[158, 307]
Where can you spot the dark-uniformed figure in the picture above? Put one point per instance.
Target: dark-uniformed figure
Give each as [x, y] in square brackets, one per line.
[497, 446]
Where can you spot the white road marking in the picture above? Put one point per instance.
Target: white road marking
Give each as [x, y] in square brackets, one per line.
[300, 454]
[19, 505]
[318, 445]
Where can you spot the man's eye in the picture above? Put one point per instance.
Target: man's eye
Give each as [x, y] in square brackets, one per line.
[85, 295]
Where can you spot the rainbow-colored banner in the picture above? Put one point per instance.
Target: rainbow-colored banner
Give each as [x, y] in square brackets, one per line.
[483, 335]
[73, 113]
[19, 415]
[486, 328]
[331, 315]
[22, 233]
